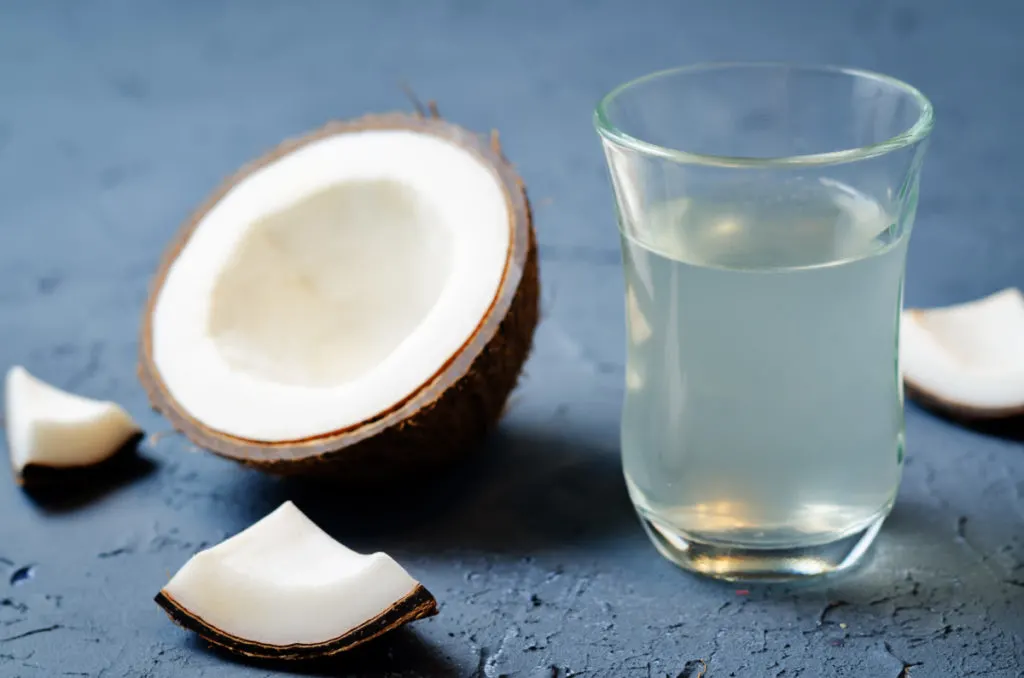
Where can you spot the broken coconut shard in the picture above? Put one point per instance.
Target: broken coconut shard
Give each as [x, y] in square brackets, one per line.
[52, 429]
[285, 589]
[360, 300]
[967, 360]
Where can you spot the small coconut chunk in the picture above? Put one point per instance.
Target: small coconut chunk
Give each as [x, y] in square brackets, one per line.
[967, 359]
[283, 588]
[51, 428]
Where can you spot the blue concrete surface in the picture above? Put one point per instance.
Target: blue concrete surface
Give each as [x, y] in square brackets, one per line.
[117, 118]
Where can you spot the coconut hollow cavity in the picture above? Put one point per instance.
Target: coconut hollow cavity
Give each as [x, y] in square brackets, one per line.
[50, 430]
[284, 589]
[967, 360]
[360, 300]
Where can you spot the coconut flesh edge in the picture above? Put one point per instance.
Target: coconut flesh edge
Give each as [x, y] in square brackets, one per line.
[331, 284]
[48, 427]
[969, 355]
[284, 581]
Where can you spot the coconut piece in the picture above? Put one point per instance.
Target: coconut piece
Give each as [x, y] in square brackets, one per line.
[283, 588]
[48, 428]
[360, 300]
[967, 359]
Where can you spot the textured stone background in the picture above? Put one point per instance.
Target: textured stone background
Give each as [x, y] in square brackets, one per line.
[116, 119]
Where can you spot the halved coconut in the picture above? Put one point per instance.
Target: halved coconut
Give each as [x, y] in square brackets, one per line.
[360, 299]
[48, 428]
[967, 359]
[285, 589]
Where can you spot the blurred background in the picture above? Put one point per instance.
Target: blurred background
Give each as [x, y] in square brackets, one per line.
[119, 118]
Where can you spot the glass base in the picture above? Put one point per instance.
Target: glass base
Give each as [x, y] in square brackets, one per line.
[731, 562]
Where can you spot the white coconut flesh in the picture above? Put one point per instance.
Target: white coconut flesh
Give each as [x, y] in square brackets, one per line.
[284, 582]
[331, 284]
[53, 428]
[970, 355]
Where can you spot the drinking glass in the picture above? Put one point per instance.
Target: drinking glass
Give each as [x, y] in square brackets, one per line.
[764, 211]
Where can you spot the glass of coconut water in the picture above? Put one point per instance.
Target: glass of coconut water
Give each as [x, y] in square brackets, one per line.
[764, 211]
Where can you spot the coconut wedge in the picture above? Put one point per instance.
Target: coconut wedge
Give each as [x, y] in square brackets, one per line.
[967, 359]
[358, 301]
[284, 589]
[48, 428]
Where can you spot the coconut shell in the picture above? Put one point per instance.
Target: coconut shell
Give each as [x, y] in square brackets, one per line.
[417, 605]
[444, 417]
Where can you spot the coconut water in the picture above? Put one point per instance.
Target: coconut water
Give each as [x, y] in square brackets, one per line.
[763, 402]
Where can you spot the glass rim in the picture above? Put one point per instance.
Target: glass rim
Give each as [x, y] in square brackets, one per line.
[913, 134]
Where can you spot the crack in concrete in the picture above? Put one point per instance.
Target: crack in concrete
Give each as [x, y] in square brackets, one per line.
[120, 551]
[823, 617]
[693, 668]
[491, 665]
[481, 662]
[33, 632]
[906, 666]
[22, 575]
[961, 525]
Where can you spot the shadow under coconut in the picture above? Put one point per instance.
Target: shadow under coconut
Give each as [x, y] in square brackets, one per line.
[1007, 428]
[523, 491]
[1010, 428]
[400, 652]
[63, 490]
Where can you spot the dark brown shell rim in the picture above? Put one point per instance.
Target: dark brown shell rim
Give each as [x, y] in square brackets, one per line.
[417, 605]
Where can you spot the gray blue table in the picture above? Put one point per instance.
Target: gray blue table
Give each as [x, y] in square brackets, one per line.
[117, 118]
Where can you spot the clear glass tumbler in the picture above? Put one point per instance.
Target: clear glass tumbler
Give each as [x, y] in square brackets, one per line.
[765, 211]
